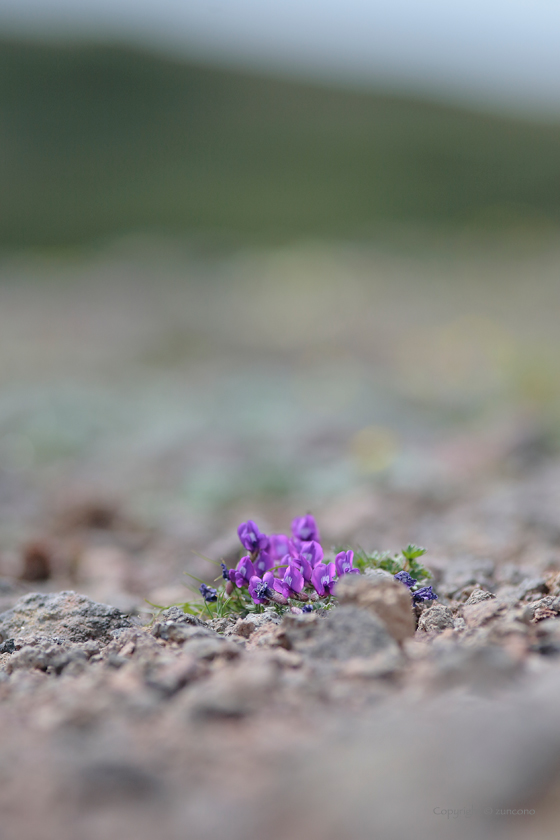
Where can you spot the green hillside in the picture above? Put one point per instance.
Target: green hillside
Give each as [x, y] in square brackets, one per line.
[97, 140]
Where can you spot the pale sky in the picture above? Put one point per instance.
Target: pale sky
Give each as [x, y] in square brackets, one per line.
[495, 51]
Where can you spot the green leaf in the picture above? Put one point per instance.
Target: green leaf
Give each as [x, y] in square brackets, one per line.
[412, 552]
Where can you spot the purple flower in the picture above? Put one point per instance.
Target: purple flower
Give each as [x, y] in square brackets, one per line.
[312, 552]
[263, 563]
[225, 571]
[302, 564]
[280, 545]
[323, 578]
[307, 608]
[208, 593]
[304, 528]
[259, 590]
[251, 538]
[291, 582]
[426, 593]
[344, 563]
[243, 572]
[405, 578]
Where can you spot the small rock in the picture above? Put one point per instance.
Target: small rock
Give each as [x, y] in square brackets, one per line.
[479, 595]
[135, 643]
[181, 633]
[178, 616]
[47, 655]
[174, 625]
[388, 599]
[66, 615]
[536, 610]
[224, 624]
[476, 615]
[543, 613]
[255, 621]
[268, 635]
[435, 619]
[212, 648]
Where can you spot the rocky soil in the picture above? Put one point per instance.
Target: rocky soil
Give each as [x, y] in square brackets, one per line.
[372, 720]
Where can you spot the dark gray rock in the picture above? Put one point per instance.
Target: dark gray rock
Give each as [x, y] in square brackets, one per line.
[65, 615]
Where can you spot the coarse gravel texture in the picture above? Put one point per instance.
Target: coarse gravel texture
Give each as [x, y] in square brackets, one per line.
[315, 726]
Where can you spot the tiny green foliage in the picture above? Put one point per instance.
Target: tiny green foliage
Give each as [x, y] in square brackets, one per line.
[411, 554]
[407, 560]
[238, 603]
[377, 560]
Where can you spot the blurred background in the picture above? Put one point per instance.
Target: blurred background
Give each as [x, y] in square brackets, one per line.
[264, 258]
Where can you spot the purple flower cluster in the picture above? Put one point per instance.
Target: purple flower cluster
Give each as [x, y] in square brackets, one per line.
[278, 568]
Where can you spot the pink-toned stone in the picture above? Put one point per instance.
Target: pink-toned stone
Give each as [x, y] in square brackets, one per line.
[387, 599]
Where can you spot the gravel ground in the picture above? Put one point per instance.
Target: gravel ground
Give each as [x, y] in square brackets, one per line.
[140, 423]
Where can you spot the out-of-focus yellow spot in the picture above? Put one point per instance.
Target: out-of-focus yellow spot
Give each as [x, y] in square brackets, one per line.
[374, 448]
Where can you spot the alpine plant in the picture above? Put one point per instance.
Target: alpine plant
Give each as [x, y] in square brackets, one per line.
[291, 572]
